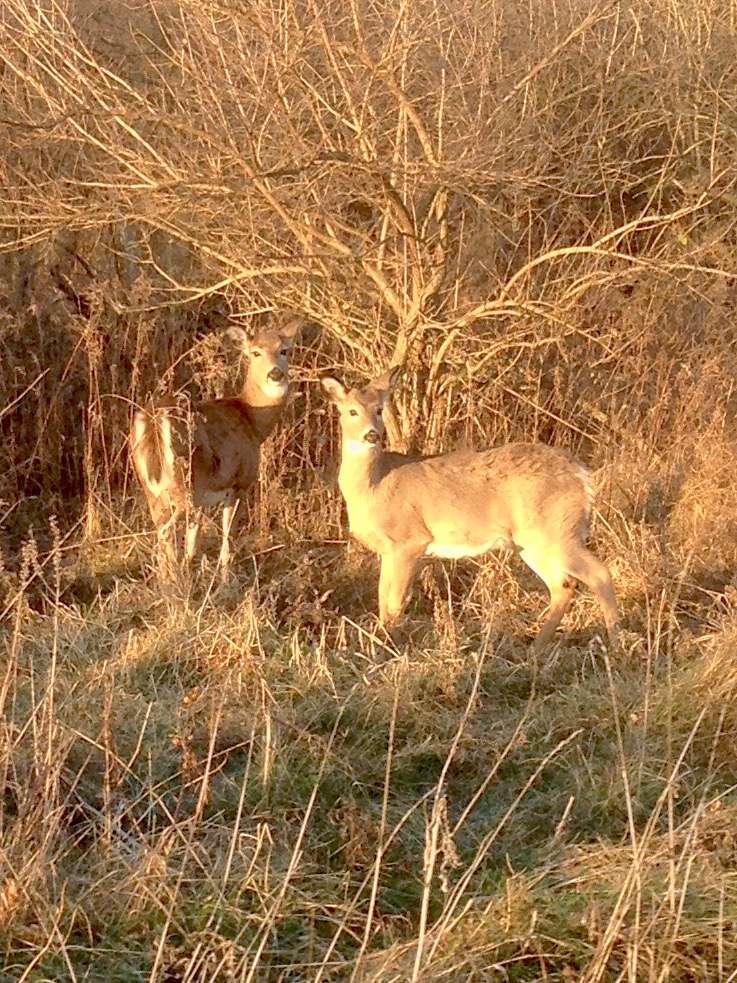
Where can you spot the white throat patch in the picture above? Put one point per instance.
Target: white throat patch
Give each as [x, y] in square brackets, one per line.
[275, 390]
[359, 447]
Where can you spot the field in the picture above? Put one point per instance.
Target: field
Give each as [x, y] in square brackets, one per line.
[531, 208]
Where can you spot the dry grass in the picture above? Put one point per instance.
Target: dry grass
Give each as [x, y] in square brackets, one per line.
[244, 783]
[532, 208]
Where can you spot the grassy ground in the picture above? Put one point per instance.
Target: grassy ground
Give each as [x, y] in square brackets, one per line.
[248, 783]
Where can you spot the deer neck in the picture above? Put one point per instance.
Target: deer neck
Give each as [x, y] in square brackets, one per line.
[262, 408]
[360, 469]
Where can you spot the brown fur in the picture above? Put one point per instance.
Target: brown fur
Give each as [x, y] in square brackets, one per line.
[528, 497]
[188, 460]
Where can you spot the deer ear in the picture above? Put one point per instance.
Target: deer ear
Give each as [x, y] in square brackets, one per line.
[290, 327]
[240, 336]
[334, 389]
[386, 382]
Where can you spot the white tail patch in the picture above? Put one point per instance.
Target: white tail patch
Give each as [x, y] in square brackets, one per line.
[158, 442]
[587, 480]
[165, 445]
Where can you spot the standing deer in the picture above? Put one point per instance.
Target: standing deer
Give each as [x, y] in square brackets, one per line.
[210, 455]
[529, 497]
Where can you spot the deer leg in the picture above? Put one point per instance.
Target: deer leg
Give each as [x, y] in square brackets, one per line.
[192, 536]
[584, 566]
[398, 569]
[166, 533]
[229, 511]
[561, 587]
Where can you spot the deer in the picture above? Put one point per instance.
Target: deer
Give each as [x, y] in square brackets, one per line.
[528, 497]
[209, 455]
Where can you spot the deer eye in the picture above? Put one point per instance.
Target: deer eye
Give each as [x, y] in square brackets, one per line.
[284, 351]
[256, 354]
[353, 412]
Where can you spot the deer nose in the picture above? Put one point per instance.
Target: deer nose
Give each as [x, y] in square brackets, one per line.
[372, 437]
[276, 375]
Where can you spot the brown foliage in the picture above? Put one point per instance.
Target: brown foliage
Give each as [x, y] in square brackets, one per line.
[531, 208]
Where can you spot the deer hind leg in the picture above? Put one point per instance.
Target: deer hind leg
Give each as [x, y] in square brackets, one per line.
[561, 586]
[229, 512]
[398, 569]
[166, 537]
[584, 566]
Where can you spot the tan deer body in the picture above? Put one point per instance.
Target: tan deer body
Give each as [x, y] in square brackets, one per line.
[209, 455]
[528, 497]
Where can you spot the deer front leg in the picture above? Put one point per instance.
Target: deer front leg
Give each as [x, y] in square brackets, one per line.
[192, 536]
[398, 569]
[224, 559]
